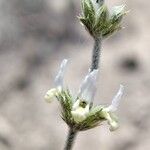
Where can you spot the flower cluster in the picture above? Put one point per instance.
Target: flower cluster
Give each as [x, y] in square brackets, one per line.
[98, 20]
[79, 112]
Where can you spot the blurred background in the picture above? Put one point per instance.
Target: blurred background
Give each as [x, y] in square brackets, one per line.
[35, 36]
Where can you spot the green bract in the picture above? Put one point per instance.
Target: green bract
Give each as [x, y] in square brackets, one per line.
[99, 21]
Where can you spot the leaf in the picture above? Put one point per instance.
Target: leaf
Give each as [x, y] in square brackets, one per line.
[88, 11]
[85, 9]
[102, 17]
[87, 24]
[113, 29]
[66, 102]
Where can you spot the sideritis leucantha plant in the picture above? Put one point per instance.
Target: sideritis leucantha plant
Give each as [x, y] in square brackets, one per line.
[79, 112]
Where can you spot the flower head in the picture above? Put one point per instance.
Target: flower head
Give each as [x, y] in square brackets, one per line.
[78, 112]
[98, 20]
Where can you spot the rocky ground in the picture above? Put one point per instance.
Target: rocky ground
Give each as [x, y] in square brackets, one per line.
[35, 35]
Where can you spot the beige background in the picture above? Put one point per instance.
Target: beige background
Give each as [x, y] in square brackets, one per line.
[35, 35]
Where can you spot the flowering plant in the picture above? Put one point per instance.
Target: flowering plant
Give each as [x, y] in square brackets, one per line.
[79, 112]
[98, 20]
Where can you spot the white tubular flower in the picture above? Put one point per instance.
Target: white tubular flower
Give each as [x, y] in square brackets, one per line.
[79, 113]
[50, 94]
[88, 87]
[115, 102]
[58, 81]
[108, 112]
[60, 76]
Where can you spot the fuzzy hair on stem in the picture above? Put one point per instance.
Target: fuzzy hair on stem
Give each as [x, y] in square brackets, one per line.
[70, 140]
[96, 53]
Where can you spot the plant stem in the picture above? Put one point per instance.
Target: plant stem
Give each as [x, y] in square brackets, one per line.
[70, 140]
[96, 53]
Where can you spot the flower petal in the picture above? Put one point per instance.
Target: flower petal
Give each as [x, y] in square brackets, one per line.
[111, 119]
[80, 113]
[88, 86]
[50, 94]
[60, 76]
[115, 102]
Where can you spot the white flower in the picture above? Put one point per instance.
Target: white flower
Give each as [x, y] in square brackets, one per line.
[113, 107]
[81, 108]
[79, 113]
[86, 94]
[60, 76]
[88, 87]
[115, 102]
[58, 82]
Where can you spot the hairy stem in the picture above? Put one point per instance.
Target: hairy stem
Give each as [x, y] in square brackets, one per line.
[96, 53]
[70, 140]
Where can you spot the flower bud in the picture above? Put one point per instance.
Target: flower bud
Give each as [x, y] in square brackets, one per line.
[88, 86]
[117, 14]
